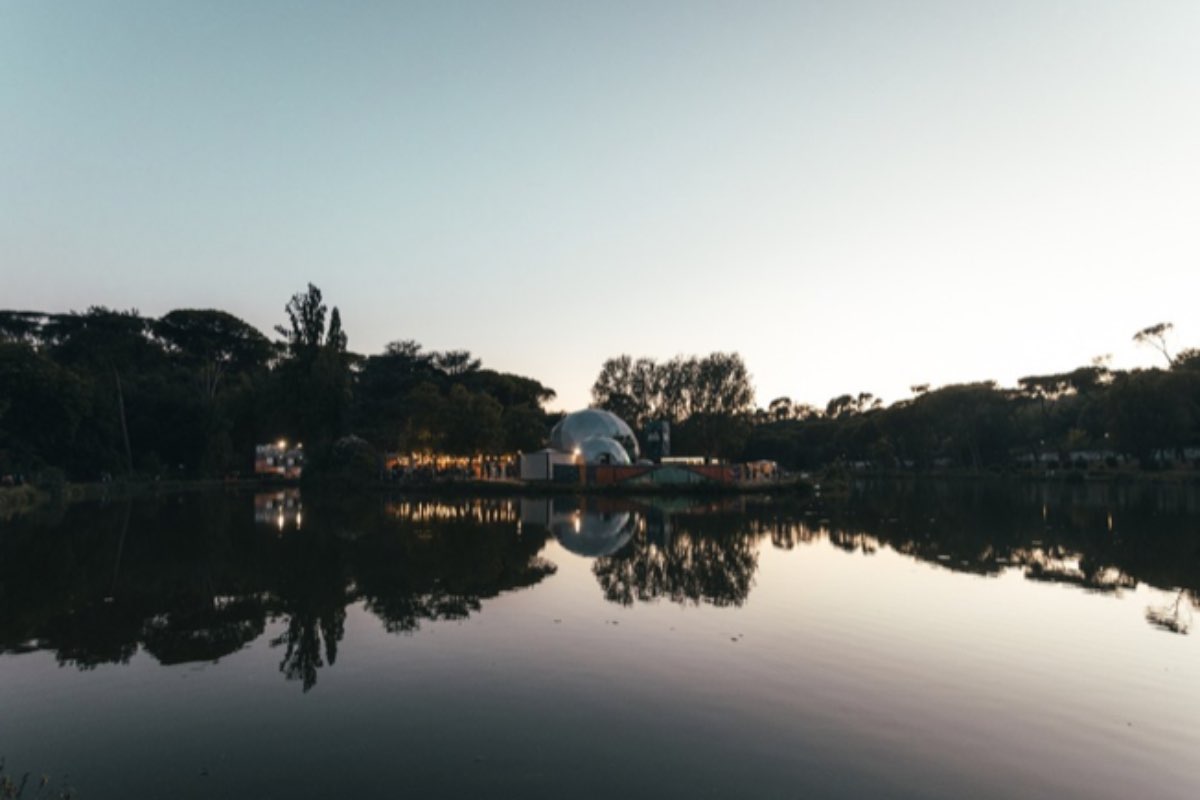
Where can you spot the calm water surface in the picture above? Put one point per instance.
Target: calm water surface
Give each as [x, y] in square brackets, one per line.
[926, 640]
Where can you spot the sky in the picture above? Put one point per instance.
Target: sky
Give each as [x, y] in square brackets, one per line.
[854, 196]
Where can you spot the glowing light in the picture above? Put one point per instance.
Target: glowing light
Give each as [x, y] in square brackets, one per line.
[281, 444]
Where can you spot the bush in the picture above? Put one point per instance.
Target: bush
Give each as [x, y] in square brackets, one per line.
[350, 461]
[51, 479]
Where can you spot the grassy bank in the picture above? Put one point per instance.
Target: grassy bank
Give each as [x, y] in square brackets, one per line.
[20, 499]
[15, 500]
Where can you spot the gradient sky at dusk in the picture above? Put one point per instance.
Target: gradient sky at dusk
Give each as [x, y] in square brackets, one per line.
[854, 196]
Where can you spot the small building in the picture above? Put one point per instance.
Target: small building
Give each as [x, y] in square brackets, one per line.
[658, 440]
[279, 459]
[540, 466]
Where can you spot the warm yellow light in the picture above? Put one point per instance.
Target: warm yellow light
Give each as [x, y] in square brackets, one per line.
[282, 444]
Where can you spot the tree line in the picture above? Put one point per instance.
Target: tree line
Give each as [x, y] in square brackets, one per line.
[707, 400]
[108, 392]
[1089, 415]
[1150, 417]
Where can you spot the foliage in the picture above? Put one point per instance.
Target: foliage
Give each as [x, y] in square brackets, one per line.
[31, 787]
[707, 400]
[107, 392]
[1156, 336]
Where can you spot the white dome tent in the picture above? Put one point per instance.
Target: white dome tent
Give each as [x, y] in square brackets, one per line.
[573, 432]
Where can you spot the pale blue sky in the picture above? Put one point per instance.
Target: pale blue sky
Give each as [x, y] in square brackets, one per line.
[855, 196]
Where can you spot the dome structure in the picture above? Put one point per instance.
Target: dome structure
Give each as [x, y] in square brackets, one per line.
[603, 450]
[574, 429]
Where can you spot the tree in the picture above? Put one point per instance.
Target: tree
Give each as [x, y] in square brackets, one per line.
[676, 382]
[305, 333]
[336, 338]
[22, 326]
[1151, 410]
[472, 423]
[613, 389]
[41, 411]
[213, 344]
[1188, 359]
[108, 344]
[456, 362]
[1156, 336]
[848, 405]
[312, 391]
[708, 399]
[630, 389]
[780, 409]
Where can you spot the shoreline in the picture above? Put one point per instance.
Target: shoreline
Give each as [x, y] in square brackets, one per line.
[28, 499]
[21, 500]
[18, 500]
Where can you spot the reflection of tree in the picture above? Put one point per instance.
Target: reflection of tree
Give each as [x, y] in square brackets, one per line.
[1174, 617]
[1060, 565]
[785, 533]
[443, 567]
[303, 638]
[1099, 538]
[194, 579]
[311, 591]
[206, 631]
[99, 633]
[692, 567]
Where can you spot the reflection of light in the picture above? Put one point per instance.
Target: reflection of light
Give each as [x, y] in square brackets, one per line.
[279, 521]
[297, 520]
[577, 522]
[479, 510]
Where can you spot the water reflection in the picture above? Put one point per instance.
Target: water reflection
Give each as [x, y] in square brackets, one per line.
[1175, 616]
[281, 509]
[703, 554]
[587, 527]
[194, 579]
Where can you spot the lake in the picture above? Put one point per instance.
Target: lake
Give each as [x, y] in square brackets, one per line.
[922, 639]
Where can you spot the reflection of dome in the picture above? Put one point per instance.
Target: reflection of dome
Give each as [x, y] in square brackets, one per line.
[602, 450]
[591, 533]
[573, 429]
